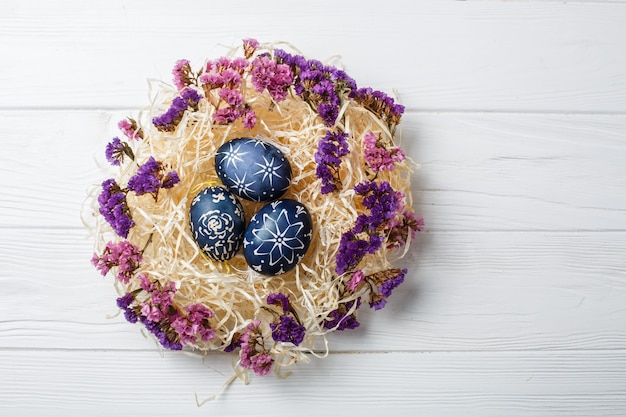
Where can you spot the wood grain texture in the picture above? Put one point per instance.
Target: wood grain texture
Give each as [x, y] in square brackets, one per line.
[512, 56]
[513, 384]
[515, 303]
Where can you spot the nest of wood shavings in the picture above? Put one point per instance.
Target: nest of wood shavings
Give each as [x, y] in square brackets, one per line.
[321, 299]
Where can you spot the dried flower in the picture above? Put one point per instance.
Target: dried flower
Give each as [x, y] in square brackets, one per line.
[280, 300]
[168, 121]
[151, 177]
[288, 330]
[116, 151]
[268, 74]
[330, 149]
[249, 46]
[370, 229]
[114, 208]
[123, 255]
[253, 354]
[355, 280]
[377, 156]
[124, 303]
[182, 74]
[403, 226]
[380, 104]
[195, 325]
[130, 129]
[340, 319]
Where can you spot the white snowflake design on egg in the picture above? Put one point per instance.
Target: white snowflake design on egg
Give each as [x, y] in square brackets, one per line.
[283, 238]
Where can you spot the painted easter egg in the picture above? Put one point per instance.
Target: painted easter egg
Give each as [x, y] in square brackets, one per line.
[253, 169]
[217, 222]
[277, 237]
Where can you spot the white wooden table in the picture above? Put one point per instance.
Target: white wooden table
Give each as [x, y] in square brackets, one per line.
[515, 304]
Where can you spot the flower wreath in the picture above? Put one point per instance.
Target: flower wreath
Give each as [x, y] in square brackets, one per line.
[346, 170]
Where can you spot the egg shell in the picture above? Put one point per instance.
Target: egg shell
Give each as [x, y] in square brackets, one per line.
[253, 169]
[217, 222]
[277, 237]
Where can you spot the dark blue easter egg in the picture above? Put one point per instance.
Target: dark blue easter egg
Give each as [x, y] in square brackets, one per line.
[277, 237]
[217, 222]
[253, 169]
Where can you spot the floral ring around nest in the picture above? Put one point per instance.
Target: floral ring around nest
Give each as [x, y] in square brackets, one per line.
[345, 172]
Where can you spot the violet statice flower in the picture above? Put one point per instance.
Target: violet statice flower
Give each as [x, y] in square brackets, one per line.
[288, 330]
[130, 129]
[390, 284]
[124, 304]
[253, 353]
[330, 149]
[380, 104]
[377, 156]
[182, 74]
[323, 87]
[114, 208]
[268, 74]
[367, 234]
[280, 300]
[162, 337]
[168, 121]
[151, 177]
[116, 151]
[350, 252]
[123, 255]
[340, 319]
[384, 282]
[378, 301]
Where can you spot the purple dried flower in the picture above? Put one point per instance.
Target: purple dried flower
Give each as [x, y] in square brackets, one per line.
[116, 151]
[114, 208]
[288, 330]
[124, 304]
[330, 149]
[151, 177]
[340, 319]
[155, 329]
[280, 300]
[171, 118]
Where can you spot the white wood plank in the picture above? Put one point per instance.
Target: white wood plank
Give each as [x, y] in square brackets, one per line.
[482, 291]
[78, 383]
[513, 56]
[479, 171]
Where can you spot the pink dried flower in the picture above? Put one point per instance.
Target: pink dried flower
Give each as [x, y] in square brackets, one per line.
[253, 353]
[123, 255]
[356, 279]
[130, 129]
[249, 46]
[232, 97]
[249, 118]
[377, 156]
[182, 74]
[276, 78]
